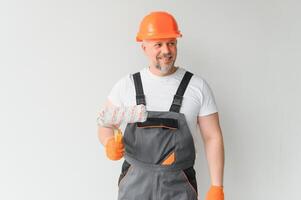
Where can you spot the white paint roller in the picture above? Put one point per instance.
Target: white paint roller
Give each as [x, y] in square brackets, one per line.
[112, 116]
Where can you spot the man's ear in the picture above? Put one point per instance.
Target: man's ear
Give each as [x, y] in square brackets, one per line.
[143, 47]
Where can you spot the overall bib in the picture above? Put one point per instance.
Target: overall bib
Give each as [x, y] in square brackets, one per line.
[159, 153]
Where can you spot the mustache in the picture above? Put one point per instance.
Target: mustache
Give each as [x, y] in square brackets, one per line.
[165, 55]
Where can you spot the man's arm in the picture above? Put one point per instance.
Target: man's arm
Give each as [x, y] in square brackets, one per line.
[214, 147]
[104, 133]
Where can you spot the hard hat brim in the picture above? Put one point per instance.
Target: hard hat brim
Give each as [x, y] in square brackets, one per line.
[154, 37]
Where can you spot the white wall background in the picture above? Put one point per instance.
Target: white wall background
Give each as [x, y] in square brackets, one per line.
[60, 58]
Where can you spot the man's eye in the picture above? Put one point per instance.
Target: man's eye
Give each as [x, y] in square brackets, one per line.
[171, 43]
[158, 45]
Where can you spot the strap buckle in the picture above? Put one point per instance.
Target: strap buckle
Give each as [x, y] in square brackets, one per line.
[177, 100]
[140, 99]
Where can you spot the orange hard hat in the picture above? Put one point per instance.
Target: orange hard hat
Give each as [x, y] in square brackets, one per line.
[158, 25]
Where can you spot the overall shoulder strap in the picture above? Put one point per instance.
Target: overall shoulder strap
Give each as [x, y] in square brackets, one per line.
[140, 98]
[178, 98]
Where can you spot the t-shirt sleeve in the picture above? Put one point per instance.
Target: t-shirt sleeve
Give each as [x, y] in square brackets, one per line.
[115, 95]
[208, 105]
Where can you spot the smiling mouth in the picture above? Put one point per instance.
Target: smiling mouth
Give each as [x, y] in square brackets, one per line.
[166, 59]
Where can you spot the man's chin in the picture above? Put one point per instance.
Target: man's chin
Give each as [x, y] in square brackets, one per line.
[164, 69]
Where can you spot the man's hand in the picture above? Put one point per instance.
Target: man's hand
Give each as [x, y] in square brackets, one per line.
[215, 193]
[115, 147]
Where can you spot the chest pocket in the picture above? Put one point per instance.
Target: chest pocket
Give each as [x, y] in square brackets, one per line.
[167, 123]
[157, 140]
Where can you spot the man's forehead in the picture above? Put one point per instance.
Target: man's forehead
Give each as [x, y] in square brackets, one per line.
[160, 40]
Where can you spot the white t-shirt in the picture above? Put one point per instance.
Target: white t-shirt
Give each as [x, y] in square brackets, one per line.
[198, 99]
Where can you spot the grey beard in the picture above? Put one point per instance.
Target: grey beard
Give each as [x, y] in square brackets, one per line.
[165, 69]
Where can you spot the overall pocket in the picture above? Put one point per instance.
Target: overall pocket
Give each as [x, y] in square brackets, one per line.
[124, 171]
[151, 122]
[156, 141]
[189, 175]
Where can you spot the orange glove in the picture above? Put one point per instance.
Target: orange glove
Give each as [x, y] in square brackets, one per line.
[215, 193]
[115, 147]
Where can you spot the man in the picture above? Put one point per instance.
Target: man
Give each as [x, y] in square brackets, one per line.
[160, 152]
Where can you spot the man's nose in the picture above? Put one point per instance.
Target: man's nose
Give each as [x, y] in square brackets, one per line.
[165, 48]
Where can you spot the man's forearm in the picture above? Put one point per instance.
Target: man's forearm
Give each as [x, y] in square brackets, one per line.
[104, 134]
[214, 148]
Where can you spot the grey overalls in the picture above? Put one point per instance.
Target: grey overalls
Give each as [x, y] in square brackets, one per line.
[159, 153]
